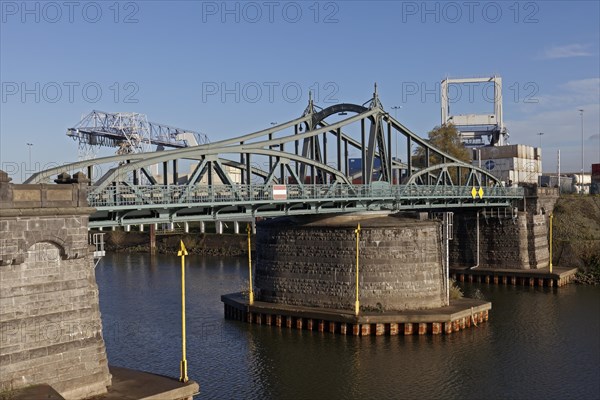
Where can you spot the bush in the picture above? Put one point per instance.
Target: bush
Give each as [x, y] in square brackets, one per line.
[455, 291]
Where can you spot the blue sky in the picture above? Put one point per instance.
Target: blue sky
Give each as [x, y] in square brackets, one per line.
[197, 65]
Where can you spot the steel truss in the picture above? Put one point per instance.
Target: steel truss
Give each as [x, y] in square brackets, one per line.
[308, 154]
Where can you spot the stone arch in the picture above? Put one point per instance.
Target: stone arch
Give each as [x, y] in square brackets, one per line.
[64, 247]
[44, 251]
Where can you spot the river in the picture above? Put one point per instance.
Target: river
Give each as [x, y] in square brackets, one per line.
[539, 343]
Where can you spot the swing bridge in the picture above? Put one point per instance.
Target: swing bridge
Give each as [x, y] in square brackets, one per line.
[302, 166]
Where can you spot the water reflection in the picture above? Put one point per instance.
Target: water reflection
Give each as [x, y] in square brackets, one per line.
[539, 343]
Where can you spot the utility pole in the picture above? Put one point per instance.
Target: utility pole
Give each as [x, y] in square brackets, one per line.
[582, 154]
[558, 169]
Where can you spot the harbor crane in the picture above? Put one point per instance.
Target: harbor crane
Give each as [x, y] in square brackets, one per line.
[130, 133]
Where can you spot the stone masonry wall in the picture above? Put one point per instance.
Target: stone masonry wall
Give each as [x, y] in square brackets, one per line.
[537, 241]
[50, 328]
[505, 243]
[313, 263]
[539, 200]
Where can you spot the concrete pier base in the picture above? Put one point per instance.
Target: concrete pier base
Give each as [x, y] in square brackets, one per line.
[459, 315]
[531, 277]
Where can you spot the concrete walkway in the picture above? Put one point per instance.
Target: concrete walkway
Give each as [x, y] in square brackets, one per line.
[127, 384]
[131, 384]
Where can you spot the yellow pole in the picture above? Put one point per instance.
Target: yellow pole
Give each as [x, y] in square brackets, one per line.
[357, 304]
[251, 293]
[183, 367]
[551, 216]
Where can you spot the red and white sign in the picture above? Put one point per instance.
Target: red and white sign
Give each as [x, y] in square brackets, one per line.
[279, 192]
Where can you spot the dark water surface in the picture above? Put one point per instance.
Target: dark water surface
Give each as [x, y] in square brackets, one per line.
[539, 343]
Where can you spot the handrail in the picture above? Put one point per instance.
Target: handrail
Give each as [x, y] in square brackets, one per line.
[177, 196]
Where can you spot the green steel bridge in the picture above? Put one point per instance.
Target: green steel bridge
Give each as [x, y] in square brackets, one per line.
[302, 166]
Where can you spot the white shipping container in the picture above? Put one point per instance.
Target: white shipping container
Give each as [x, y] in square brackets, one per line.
[513, 163]
[510, 151]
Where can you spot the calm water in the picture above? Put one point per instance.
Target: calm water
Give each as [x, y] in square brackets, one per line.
[539, 343]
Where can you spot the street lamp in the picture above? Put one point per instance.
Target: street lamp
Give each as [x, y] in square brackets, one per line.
[396, 108]
[582, 162]
[29, 147]
[540, 135]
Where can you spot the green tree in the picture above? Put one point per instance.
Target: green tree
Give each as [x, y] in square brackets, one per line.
[446, 139]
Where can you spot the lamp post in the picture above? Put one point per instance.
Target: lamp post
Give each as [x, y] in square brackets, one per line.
[29, 147]
[396, 108]
[582, 162]
[540, 134]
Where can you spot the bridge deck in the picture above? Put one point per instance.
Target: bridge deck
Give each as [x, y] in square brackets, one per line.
[130, 205]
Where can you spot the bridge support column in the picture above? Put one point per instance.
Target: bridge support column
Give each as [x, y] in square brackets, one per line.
[186, 227]
[45, 234]
[152, 238]
[219, 227]
[520, 237]
[141, 227]
[236, 227]
[127, 228]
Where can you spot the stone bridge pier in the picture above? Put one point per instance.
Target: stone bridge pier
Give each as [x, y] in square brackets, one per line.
[50, 328]
[501, 239]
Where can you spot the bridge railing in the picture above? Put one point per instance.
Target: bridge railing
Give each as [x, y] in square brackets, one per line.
[172, 195]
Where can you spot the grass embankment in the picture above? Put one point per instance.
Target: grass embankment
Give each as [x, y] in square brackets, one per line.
[576, 232]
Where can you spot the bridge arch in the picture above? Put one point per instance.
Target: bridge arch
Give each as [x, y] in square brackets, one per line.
[336, 109]
[441, 174]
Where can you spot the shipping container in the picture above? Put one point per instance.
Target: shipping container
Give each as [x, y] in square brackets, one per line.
[497, 165]
[510, 151]
[566, 182]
